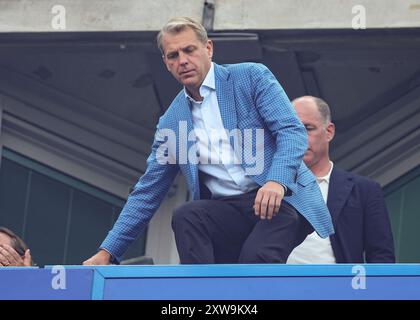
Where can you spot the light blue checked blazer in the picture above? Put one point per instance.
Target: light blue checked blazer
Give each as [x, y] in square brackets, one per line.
[249, 96]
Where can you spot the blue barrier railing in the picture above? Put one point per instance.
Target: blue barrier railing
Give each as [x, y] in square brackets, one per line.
[214, 282]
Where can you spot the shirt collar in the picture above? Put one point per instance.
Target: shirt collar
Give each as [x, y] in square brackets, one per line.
[326, 178]
[206, 87]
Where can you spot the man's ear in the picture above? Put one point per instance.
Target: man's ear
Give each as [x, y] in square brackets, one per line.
[330, 131]
[209, 47]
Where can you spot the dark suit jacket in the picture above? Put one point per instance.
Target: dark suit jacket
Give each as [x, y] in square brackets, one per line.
[360, 220]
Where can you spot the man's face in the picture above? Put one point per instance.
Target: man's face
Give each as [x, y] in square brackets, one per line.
[5, 239]
[187, 58]
[319, 133]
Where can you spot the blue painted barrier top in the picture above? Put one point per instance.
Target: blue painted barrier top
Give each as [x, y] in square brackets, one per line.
[214, 282]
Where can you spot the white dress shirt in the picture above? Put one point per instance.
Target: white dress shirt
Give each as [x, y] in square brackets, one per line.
[314, 249]
[223, 174]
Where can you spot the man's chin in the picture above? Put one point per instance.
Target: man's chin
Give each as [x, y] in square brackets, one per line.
[308, 161]
[190, 80]
[189, 83]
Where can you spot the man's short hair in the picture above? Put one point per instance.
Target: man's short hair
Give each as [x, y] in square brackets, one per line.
[16, 242]
[179, 24]
[323, 109]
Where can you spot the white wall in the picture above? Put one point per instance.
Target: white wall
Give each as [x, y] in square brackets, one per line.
[310, 14]
[94, 15]
[138, 15]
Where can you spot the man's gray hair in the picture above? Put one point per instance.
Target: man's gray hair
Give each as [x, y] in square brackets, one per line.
[177, 25]
[323, 109]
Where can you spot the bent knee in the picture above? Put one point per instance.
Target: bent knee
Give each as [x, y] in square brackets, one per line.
[188, 211]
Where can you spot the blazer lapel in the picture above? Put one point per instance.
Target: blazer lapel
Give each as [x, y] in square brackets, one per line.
[184, 145]
[225, 97]
[338, 191]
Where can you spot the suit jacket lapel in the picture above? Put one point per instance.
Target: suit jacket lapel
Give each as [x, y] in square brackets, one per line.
[227, 104]
[225, 97]
[184, 145]
[338, 191]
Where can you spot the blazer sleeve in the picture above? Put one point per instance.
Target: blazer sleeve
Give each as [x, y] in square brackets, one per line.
[143, 201]
[282, 121]
[379, 242]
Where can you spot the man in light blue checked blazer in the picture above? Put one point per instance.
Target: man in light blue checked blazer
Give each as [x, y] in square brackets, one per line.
[235, 136]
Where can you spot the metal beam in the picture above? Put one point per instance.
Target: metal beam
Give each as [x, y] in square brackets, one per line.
[208, 14]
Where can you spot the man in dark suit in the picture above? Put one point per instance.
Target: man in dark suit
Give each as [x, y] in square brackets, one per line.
[360, 218]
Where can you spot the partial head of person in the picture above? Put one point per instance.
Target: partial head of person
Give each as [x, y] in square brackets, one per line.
[186, 52]
[13, 250]
[315, 115]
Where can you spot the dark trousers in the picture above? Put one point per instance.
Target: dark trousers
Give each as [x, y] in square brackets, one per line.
[226, 230]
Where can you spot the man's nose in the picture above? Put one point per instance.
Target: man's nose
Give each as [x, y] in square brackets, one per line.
[183, 58]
